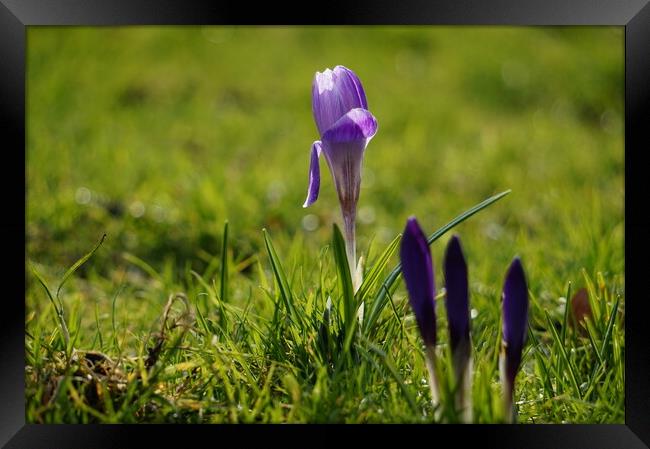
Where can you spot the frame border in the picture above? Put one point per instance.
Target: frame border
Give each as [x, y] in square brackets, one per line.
[634, 15]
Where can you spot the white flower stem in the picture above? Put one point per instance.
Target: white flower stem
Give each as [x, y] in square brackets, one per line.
[464, 393]
[350, 245]
[462, 361]
[431, 362]
[508, 391]
[356, 272]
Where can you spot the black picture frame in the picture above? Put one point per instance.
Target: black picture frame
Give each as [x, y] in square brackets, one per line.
[633, 15]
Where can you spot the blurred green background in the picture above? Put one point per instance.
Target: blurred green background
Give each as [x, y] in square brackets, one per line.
[156, 135]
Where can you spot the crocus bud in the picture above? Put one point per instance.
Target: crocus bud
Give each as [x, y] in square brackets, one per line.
[345, 126]
[457, 304]
[515, 322]
[335, 93]
[417, 270]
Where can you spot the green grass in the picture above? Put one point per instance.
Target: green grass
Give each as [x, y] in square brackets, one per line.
[156, 137]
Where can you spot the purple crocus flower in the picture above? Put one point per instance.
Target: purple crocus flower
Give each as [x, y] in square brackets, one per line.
[515, 321]
[457, 304]
[345, 126]
[417, 271]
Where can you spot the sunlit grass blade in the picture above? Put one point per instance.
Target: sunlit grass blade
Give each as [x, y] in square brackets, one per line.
[209, 292]
[41, 281]
[380, 302]
[223, 292]
[77, 264]
[281, 278]
[373, 274]
[63, 327]
[610, 327]
[563, 353]
[144, 266]
[591, 334]
[593, 303]
[567, 307]
[392, 371]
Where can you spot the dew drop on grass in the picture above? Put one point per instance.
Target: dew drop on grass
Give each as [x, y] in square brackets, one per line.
[310, 222]
[137, 209]
[473, 313]
[82, 195]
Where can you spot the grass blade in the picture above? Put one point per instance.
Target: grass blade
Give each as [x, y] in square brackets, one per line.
[591, 330]
[567, 307]
[556, 337]
[44, 285]
[144, 266]
[223, 292]
[77, 264]
[610, 326]
[394, 374]
[593, 304]
[373, 274]
[58, 308]
[281, 278]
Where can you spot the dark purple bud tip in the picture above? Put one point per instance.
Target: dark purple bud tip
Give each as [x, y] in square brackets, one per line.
[457, 302]
[515, 317]
[417, 270]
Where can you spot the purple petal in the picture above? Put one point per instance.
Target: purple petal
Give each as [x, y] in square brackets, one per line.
[314, 175]
[334, 93]
[343, 145]
[515, 317]
[344, 160]
[355, 124]
[350, 82]
[417, 270]
[457, 302]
